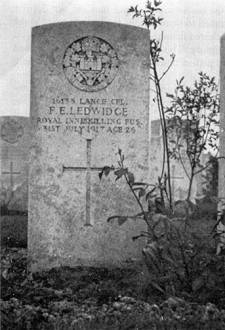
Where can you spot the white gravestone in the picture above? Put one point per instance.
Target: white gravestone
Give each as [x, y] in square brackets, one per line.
[89, 97]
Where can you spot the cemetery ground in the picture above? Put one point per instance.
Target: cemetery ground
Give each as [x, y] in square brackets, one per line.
[101, 298]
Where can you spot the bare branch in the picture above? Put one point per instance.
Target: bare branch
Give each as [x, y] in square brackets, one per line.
[182, 163]
[169, 66]
[207, 165]
[161, 40]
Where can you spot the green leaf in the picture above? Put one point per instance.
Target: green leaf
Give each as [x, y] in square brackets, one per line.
[138, 215]
[140, 184]
[121, 219]
[119, 173]
[137, 188]
[141, 192]
[105, 170]
[130, 178]
[131, 9]
[156, 286]
[114, 217]
[182, 78]
[151, 256]
[134, 238]
[157, 3]
[150, 194]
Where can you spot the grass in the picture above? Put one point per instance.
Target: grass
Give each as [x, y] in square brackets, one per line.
[84, 298]
[14, 230]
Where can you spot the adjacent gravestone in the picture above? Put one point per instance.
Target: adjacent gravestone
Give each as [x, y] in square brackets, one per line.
[89, 97]
[222, 123]
[179, 179]
[14, 153]
[221, 226]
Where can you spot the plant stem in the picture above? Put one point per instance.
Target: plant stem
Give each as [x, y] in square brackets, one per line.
[164, 128]
[141, 206]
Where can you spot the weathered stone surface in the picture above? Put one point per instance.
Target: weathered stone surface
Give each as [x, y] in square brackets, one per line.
[89, 97]
[221, 226]
[222, 123]
[14, 154]
[19, 200]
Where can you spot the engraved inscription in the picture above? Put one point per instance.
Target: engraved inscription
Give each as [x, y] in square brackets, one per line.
[11, 131]
[89, 115]
[90, 63]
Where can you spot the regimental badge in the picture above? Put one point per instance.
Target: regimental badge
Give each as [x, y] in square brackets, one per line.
[90, 64]
[11, 131]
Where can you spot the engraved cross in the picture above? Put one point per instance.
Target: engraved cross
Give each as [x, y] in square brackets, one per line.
[11, 173]
[88, 169]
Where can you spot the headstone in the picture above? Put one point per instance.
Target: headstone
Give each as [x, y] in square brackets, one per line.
[89, 97]
[179, 179]
[156, 150]
[14, 153]
[221, 188]
[176, 189]
[222, 123]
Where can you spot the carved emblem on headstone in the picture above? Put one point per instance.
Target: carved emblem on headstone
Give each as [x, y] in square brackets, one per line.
[11, 131]
[90, 63]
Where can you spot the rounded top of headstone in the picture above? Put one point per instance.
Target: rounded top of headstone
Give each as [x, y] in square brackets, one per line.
[12, 128]
[94, 23]
[223, 37]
